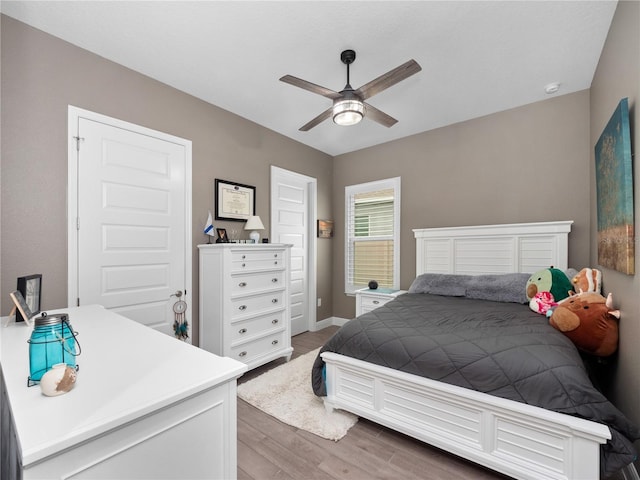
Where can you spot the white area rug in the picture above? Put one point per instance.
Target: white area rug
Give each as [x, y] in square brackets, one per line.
[285, 393]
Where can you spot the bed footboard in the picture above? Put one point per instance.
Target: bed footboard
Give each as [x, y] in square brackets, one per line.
[513, 438]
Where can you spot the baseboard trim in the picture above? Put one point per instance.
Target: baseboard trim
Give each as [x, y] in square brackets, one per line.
[339, 321]
[328, 322]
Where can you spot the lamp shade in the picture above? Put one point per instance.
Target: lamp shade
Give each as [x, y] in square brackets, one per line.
[254, 223]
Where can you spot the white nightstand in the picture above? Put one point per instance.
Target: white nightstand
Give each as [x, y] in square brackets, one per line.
[367, 299]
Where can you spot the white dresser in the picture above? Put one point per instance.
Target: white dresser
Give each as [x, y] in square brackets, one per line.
[145, 406]
[244, 301]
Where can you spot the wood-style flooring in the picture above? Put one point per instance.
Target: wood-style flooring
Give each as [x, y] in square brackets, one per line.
[270, 449]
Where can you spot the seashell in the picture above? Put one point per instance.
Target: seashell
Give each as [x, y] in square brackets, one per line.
[60, 379]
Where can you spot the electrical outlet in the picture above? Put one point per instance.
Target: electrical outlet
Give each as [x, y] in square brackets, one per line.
[319, 302]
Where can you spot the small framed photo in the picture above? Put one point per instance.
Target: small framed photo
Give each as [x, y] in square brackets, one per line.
[325, 229]
[234, 201]
[222, 235]
[20, 308]
[30, 287]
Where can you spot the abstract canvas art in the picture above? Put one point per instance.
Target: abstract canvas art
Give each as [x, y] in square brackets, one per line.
[614, 185]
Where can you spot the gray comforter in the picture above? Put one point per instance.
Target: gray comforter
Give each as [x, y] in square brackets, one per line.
[499, 348]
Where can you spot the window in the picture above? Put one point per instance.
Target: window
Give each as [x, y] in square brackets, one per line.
[372, 226]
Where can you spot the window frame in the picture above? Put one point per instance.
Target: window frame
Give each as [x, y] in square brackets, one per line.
[350, 190]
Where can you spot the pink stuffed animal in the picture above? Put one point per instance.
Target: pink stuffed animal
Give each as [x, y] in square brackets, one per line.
[542, 302]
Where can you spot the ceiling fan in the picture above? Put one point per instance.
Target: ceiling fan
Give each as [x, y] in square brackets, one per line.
[349, 106]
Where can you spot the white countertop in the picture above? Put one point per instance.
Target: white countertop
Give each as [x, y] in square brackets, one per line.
[126, 370]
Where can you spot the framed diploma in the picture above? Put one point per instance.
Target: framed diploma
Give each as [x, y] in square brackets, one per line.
[234, 201]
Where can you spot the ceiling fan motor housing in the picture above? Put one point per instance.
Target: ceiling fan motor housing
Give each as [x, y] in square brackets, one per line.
[348, 56]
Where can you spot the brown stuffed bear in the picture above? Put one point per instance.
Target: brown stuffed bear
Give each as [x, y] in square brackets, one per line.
[589, 320]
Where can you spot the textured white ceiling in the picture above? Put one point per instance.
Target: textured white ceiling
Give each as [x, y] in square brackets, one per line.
[477, 57]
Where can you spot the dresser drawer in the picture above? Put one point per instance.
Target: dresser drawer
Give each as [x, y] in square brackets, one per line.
[246, 352]
[256, 304]
[247, 255]
[246, 261]
[370, 302]
[367, 299]
[256, 282]
[244, 329]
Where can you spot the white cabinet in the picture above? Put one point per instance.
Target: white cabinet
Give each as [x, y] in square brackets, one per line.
[140, 401]
[244, 301]
[367, 299]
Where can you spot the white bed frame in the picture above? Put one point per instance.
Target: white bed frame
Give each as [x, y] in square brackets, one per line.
[513, 438]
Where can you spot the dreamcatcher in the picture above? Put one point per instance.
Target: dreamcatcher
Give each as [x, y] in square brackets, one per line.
[180, 324]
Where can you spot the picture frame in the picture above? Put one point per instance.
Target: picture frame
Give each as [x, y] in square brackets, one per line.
[614, 193]
[21, 308]
[30, 287]
[325, 229]
[223, 237]
[234, 201]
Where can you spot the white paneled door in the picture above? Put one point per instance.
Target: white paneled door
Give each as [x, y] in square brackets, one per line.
[132, 220]
[293, 222]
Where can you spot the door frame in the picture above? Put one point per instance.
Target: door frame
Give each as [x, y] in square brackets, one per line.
[312, 214]
[73, 117]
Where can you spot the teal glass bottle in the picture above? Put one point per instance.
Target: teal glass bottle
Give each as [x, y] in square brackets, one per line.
[52, 341]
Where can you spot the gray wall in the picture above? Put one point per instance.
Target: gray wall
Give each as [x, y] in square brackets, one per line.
[41, 76]
[528, 164]
[532, 163]
[618, 76]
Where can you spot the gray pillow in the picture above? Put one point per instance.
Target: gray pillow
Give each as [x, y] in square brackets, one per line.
[440, 284]
[508, 287]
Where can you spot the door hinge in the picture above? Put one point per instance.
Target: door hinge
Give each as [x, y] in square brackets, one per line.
[78, 302]
[77, 223]
[78, 140]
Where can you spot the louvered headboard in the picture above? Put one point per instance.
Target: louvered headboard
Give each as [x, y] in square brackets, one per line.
[492, 249]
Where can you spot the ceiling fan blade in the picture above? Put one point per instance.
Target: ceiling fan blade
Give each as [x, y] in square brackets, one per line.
[379, 116]
[388, 79]
[319, 119]
[312, 87]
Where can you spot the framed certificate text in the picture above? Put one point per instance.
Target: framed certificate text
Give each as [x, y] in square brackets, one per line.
[234, 201]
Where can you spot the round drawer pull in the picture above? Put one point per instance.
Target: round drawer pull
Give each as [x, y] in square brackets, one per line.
[244, 265]
[274, 280]
[375, 302]
[242, 307]
[242, 284]
[274, 300]
[275, 255]
[242, 330]
[242, 354]
[274, 321]
[275, 263]
[275, 342]
[244, 256]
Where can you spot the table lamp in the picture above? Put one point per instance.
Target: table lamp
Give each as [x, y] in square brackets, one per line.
[254, 223]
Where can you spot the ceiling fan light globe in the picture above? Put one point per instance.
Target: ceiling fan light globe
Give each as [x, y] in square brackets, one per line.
[348, 112]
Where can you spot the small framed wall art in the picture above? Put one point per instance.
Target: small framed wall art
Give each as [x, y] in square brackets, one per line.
[30, 287]
[325, 229]
[234, 201]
